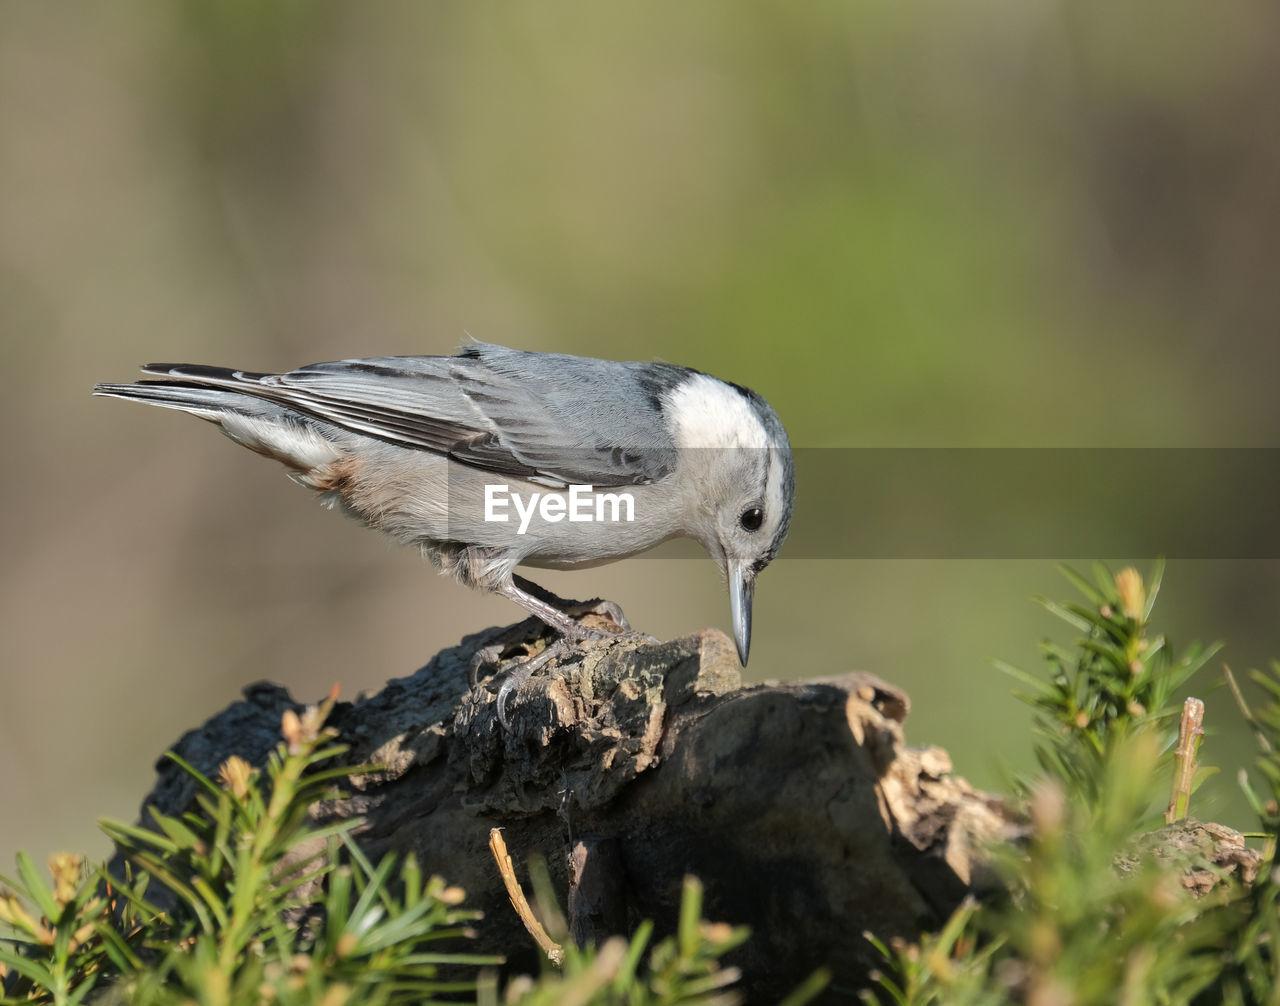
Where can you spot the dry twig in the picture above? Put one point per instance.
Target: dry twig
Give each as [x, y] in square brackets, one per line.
[553, 950]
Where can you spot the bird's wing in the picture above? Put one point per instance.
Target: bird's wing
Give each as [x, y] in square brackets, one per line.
[556, 419]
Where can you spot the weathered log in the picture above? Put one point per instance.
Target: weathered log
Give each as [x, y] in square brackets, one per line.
[633, 763]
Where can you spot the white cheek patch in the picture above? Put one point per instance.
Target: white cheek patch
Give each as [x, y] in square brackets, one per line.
[705, 412]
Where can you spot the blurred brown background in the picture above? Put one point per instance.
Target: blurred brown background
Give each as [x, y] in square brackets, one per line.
[999, 223]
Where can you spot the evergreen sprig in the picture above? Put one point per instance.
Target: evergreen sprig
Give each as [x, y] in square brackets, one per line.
[682, 970]
[1118, 679]
[1093, 909]
[267, 904]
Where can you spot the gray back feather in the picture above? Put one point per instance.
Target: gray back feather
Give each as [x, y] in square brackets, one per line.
[557, 418]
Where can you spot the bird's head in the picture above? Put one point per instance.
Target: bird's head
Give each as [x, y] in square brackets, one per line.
[737, 471]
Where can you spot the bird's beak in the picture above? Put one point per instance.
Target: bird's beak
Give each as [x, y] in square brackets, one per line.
[742, 586]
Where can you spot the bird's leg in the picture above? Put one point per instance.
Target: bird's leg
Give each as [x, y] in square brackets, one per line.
[554, 612]
[523, 591]
[549, 609]
[541, 604]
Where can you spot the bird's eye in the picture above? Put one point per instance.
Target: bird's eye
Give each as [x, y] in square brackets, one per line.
[751, 519]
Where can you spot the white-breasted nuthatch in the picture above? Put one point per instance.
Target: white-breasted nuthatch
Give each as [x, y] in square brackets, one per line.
[497, 458]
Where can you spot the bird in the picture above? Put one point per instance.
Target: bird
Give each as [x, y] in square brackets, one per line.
[497, 458]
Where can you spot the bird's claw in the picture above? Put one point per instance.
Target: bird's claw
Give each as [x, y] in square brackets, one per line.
[490, 654]
[608, 609]
[521, 673]
[526, 668]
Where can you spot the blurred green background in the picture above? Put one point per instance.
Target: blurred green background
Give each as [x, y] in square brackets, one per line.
[997, 223]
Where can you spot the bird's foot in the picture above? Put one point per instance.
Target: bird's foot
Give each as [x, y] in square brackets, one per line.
[564, 614]
[522, 672]
[600, 610]
[597, 610]
[491, 654]
[572, 632]
[519, 675]
[574, 621]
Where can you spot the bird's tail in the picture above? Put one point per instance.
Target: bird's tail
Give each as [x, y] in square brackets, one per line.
[208, 403]
[217, 395]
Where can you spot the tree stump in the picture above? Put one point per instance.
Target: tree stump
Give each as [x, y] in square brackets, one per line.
[631, 763]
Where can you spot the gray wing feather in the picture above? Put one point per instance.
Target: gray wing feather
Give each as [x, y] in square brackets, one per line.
[558, 419]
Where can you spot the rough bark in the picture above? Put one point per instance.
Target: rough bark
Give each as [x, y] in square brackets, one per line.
[633, 763]
[1205, 855]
